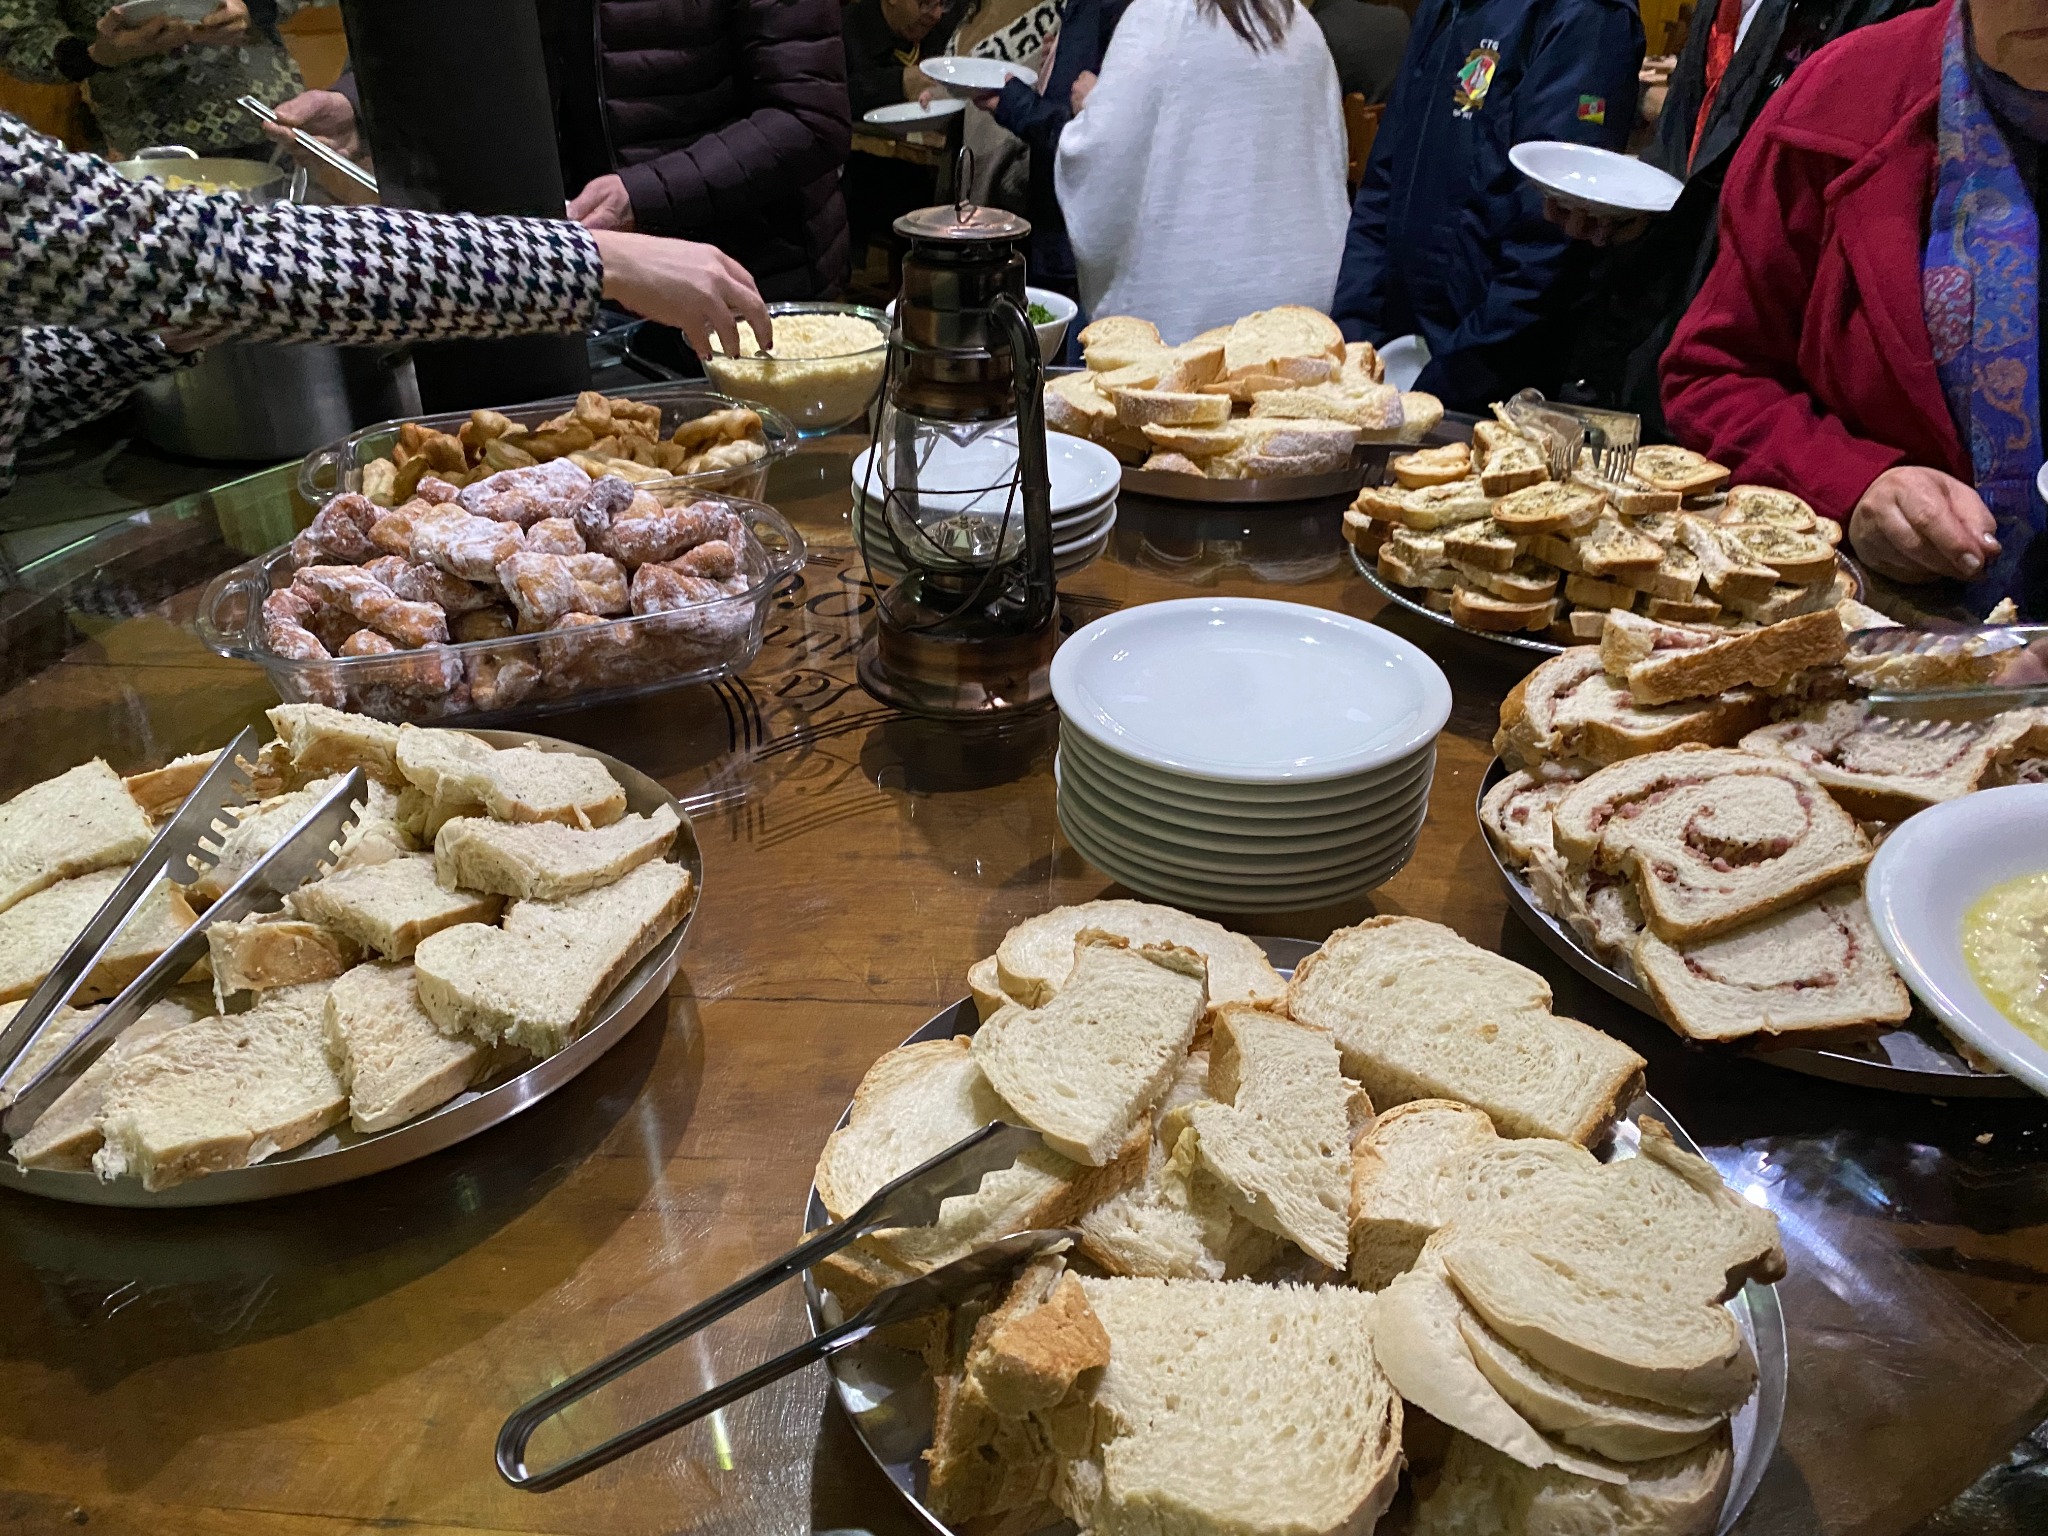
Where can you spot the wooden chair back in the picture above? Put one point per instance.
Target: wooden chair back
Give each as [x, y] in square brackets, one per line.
[1361, 127]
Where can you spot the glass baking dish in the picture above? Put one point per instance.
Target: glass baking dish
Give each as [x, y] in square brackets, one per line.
[339, 466]
[518, 676]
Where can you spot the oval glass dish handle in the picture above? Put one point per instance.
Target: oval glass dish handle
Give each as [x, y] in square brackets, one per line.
[251, 586]
[787, 560]
[320, 474]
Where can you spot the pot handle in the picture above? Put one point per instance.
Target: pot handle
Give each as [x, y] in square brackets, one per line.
[320, 474]
[246, 585]
[165, 152]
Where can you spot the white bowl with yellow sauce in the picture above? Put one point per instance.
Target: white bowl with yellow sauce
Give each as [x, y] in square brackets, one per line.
[1959, 896]
[823, 371]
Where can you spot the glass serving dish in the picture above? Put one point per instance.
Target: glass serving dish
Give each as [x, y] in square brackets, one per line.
[339, 466]
[820, 394]
[525, 675]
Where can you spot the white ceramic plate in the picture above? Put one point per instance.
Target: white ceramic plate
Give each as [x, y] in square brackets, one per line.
[904, 113]
[1164, 823]
[1597, 179]
[1246, 690]
[1203, 896]
[1178, 858]
[963, 73]
[1084, 475]
[1258, 804]
[1926, 876]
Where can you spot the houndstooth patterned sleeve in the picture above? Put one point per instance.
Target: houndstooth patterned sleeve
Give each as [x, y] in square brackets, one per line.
[85, 248]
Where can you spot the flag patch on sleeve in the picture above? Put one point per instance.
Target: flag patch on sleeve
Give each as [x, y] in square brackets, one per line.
[1592, 109]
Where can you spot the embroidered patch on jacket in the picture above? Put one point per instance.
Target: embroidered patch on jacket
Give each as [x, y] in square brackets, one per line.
[1592, 109]
[1475, 79]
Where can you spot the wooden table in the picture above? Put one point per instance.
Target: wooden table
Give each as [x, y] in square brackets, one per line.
[340, 1362]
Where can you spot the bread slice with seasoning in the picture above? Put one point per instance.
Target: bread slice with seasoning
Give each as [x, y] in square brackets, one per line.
[1486, 544]
[78, 823]
[1477, 609]
[1419, 1013]
[1612, 551]
[393, 1062]
[1432, 466]
[1428, 508]
[1084, 1068]
[1629, 496]
[539, 980]
[1731, 573]
[1036, 957]
[221, 1093]
[1667, 467]
[1815, 968]
[35, 932]
[1507, 461]
[1526, 581]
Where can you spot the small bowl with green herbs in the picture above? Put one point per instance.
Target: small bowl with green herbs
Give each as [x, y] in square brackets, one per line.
[1050, 313]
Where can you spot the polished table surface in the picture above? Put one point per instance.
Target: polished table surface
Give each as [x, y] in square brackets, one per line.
[340, 1361]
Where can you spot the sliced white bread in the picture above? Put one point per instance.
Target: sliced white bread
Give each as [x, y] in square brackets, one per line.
[1789, 602]
[1879, 773]
[985, 986]
[1631, 497]
[160, 791]
[1432, 466]
[1526, 581]
[62, 1027]
[1480, 1492]
[81, 821]
[1085, 1068]
[1419, 1013]
[544, 860]
[537, 981]
[1404, 570]
[221, 1093]
[390, 907]
[1516, 815]
[1421, 413]
[68, 1133]
[1614, 1274]
[510, 783]
[1035, 957]
[1074, 405]
[1476, 609]
[1624, 1429]
[1142, 408]
[1570, 709]
[1120, 330]
[259, 954]
[1486, 544]
[1662, 662]
[1396, 1170]
[392, 1061]
[1814, 968]
[1370, 407]
[1797, 557]
[1711, 837]
[318, 742]
[914, 1103]
[1271, 340]
[1278, 1135]
[1197, 1432]
[1592, 592]
[1203, 443]
[1730, 572]
[35, 932]
[1428, 507]
[1173, 464]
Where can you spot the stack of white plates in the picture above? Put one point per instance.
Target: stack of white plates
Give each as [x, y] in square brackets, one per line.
[1085, 477]
[1241, 755]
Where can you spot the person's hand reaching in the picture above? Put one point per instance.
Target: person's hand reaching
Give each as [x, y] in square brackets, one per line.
[1084, 82]
[698, 289]
[603, 204]
[1917, 524]
[328, 116]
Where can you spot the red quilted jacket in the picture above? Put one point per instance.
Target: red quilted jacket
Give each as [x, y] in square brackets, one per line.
[1805, 361]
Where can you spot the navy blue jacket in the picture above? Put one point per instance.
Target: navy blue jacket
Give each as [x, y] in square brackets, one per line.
[1085, 28]
[1447, 238]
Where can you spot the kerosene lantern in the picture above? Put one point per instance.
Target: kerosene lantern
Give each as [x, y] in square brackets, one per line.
[959, 473]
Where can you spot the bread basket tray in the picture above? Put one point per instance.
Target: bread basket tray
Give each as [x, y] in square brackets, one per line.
[1914, 1058]
[343, 1154]
[887, 1392]
[1368, 462]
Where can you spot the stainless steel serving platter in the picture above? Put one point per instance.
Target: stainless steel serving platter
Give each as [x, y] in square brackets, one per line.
[1367, 465]
[887, 1392]
[343, 1154]
[1914, 1058]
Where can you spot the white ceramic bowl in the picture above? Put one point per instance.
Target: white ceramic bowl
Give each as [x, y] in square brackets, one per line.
[1595, 179]
[2041, 483]
[1244, 690]
[1052, 334]
[1926, 876]
[974, 77]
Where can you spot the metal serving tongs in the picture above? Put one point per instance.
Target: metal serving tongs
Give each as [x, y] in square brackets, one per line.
[326, 154]
[1994, 667]
[314, 842]
[1610, 437]
[910, 1201]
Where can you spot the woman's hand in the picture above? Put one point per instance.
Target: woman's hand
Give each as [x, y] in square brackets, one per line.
[118, 43]
[603, 204]
[1918, 524]
[225, 26]
[1084, 82]
[698, 289]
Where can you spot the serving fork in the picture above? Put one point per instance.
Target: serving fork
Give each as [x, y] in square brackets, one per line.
[912, 1200]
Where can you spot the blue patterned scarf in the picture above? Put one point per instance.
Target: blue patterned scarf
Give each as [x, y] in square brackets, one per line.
[1980, 291]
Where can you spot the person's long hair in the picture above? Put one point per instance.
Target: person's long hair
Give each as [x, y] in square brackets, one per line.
[1261, 23]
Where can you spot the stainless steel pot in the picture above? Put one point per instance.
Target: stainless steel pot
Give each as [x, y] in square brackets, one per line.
[254, 181]
[267, 400]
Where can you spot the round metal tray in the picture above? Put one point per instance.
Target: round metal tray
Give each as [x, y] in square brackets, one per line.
[887, 1392]
[1368, 465]
[1859, 584]
[342, 1154]
[1914, 1058]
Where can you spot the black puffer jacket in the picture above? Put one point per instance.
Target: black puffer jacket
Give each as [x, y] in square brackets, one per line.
[728, 122]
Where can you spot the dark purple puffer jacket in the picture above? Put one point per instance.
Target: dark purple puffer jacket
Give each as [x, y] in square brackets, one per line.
[728, 121]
